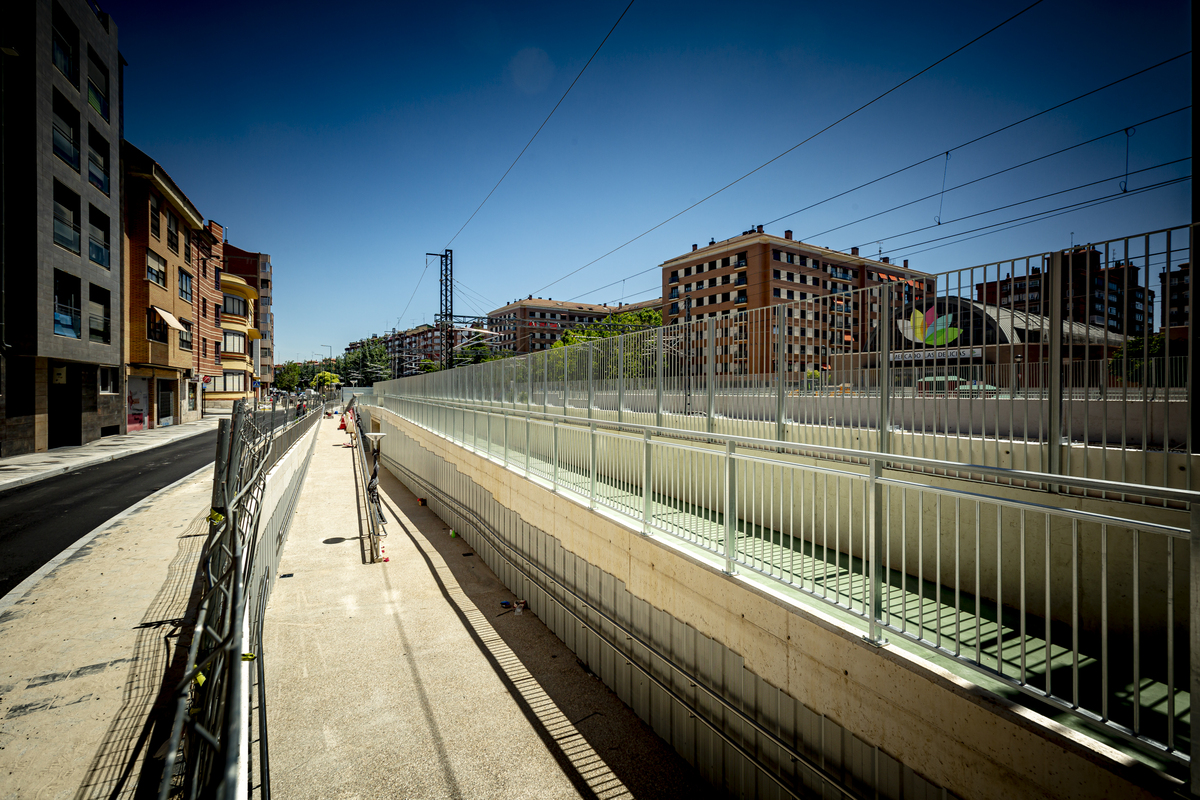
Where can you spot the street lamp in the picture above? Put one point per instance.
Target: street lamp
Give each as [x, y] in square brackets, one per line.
[330, 353]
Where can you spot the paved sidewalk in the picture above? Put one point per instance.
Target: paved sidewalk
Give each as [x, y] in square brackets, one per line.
[85, 648]
[31, 467]
[407, 678]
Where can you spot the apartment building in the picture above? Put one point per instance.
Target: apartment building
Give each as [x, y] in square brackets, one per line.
[60, 266]
[238, 378]
[161, 226]
[256, 270]
[535, 323]
[832, 299]
[207, 303]
[1175, 291]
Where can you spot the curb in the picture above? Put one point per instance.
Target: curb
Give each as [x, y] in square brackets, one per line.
[18, 592]
[54, 472]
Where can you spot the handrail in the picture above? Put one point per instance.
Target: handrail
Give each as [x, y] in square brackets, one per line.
[376, 521]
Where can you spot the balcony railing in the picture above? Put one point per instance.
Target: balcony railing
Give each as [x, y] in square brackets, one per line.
[66, 233]
[97, 174]
[98, 251]
[97, 100]
[65, 147]
[99, 328]
[67, 321]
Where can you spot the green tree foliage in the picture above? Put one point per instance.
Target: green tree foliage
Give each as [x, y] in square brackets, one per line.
[1143, 361]
[325, 379]
[645, 318]
[287, 376]
[366, 365]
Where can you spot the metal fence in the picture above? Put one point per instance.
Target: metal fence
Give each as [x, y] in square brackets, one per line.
[368, 471]
[1086, 608]
[236, 573]
[976, 366]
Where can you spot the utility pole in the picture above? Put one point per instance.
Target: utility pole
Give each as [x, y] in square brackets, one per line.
[445, 321]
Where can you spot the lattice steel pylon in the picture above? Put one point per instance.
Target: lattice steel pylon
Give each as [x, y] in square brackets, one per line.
[445, 317]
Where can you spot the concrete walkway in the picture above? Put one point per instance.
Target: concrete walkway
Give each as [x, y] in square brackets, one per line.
[90, 651]
[408, 679]
[30, 467]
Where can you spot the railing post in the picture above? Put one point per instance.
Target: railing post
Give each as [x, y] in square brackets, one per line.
[620, 378]
[591, 398]
[647, 479]
[554, 457]
[780, 367]
[730, 509]
[875, 524]
[592, 471]
[658, 388]
[885, 370]
[1194, 642]
[710, 369]
[1054, 366]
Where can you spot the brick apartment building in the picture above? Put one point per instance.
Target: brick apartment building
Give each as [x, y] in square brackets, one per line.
[256, 270]
[206, 326]
[535, 324]
[826, 314]
[160, 230]
[60, 348]
[1175, 291]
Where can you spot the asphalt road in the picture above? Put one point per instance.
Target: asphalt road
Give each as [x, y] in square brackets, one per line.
[38, 521]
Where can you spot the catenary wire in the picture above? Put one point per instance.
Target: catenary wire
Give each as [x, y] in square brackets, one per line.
[765, 164]
[539, 130]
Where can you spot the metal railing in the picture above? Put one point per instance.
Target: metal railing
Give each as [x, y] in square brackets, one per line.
[1084, 609]
[972, 368]
[236, 574]
[368, 470]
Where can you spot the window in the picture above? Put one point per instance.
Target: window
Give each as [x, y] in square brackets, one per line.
[65, 45]
[99, 315]
[67, 318]
[172, 232]
[156, 268]
[204, 307]
[65, 131]
[187, 245]
[235, 342]
[97, 160]
[97, 84]
[234, 305]
[109, 380]
[156, 327]
[185, 285]
[203, 347]
[98, 232]
[66, 218]
[234, 382]
[185, 335]
[155, 231]
[216, 278]
[776, 293]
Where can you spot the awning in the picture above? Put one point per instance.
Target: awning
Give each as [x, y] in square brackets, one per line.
[169, 318]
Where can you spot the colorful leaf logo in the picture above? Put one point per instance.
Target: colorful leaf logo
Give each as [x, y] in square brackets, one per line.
[931, 329]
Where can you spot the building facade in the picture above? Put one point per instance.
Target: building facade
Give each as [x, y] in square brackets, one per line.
[60, 264]
[235, 351]
[832, 300]
[161, 226]
[256, 270]
[206, 327]
[1175, 291]
[535, 323]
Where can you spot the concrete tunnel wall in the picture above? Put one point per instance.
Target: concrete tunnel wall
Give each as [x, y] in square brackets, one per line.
[928, 726]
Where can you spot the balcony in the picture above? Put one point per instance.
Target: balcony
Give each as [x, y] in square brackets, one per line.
[66, 233]
[97, 174]
[99, 328]
[65, 148]
[97, 100]
[673, 279]
[67, 321]
[741, 298]
[98, 251]
[741, 280]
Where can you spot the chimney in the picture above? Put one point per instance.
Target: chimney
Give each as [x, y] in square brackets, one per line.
[759, 229]
[694, 248]
[711, 242]
[787, 234]
[886, 259]
[853, 251]
[906, 263]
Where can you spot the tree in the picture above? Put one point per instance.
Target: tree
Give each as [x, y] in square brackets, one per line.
[1129, 362]
[287, 377]
[325, 379]
[645, 318]
[367, 364]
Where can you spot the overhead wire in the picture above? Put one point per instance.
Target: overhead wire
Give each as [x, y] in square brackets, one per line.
[539, 129]
[794, 147]
[893, 173]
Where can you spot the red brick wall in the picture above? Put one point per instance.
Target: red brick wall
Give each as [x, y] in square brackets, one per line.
[206, 333]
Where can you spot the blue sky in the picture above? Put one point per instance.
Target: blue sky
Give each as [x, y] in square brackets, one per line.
[347, 144]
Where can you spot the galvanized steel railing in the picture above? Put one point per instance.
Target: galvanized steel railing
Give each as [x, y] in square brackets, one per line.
[1084, 606]
[1006, 364]
[368, 470]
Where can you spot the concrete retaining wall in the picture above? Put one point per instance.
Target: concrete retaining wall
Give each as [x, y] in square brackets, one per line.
[878, 719]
